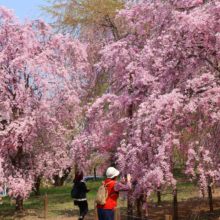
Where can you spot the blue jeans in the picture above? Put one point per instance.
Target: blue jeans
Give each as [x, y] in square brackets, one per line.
[105, 214]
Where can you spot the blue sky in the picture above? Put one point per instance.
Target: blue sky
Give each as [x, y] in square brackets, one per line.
[25, 7]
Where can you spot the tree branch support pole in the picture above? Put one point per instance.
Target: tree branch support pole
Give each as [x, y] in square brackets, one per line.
[168, 217]
[175, 204]
[210, 198]
[75, 167]
[95, 212]
[95, 173]
[45, 207]
[130, 116]
[117, 213]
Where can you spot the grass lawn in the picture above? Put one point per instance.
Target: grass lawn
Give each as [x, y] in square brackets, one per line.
[60, 203]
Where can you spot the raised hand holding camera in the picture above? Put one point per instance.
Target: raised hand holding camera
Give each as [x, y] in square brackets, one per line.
[129, 177]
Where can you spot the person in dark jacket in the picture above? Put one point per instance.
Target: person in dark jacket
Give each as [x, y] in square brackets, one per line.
[81, 200]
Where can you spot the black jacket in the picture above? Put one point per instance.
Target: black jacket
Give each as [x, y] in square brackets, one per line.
[81, 188]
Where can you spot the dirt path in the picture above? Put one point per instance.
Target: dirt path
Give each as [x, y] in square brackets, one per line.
[34, 215]
[195, 209]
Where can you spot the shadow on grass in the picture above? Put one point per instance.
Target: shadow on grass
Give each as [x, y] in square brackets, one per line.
[13, 214]
[74, 213]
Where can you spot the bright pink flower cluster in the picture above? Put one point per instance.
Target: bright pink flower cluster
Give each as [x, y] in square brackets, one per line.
[162, 105]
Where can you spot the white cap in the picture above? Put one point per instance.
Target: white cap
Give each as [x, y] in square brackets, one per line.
[111, 172]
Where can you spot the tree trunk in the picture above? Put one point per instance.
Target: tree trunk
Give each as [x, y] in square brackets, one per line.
[56, 179]
[129, 205]
[65, 175]
[75, 167]
[210, 198]
[37, 186]
[213, 188]
[175, 205]
[139, 209]
[19, 203]
[60, 181]
[158, 198]
[144, 200]
[95, 173]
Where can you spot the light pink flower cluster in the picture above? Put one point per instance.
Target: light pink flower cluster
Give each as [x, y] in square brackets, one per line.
[41, 88]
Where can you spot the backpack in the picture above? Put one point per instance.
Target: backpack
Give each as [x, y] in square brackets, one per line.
[75, 192]
[102, 194]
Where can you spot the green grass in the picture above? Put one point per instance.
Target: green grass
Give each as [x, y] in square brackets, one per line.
[60, 202]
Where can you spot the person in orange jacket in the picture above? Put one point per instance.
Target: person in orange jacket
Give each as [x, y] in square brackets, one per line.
[106, 212]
